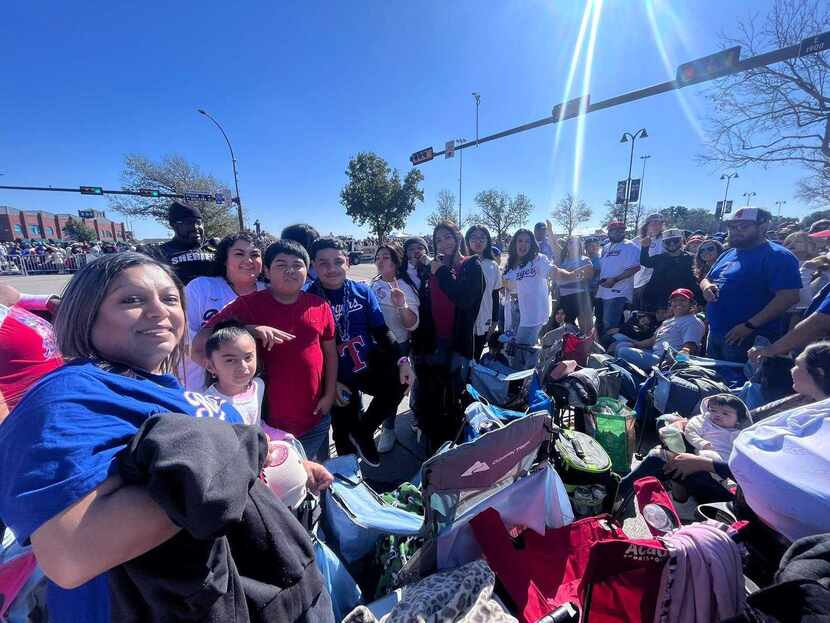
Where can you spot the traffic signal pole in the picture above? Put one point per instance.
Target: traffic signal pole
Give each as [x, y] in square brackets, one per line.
[101, 191]
[811, 45]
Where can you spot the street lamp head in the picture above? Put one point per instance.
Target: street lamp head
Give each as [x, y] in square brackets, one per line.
[643, 133]
[201, 111]
[624, 138]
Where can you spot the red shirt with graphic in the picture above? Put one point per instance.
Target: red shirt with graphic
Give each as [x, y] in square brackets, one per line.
[293, 370]
[28, 350]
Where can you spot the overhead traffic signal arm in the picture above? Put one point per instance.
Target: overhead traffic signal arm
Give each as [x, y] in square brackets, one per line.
[697, 71]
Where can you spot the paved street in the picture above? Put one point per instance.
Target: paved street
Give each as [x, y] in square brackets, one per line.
[54, 284]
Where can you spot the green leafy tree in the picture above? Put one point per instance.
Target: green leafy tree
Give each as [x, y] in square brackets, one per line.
[499, 213]
[570, 212]
[79, 231]
[375, 196]
[675, 215]
[174, 174]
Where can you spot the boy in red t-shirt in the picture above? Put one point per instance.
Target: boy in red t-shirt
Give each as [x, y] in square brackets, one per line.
[296, 330]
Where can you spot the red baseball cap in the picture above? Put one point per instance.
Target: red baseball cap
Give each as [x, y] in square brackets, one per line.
[616, 225]
[684, 293]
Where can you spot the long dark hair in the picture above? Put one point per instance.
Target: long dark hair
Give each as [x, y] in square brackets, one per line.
[460, 245]
[396, 254]
[579, 253]
[488, 249]
[220, 258]
[223, 333]
[513, 255]
[700, 268]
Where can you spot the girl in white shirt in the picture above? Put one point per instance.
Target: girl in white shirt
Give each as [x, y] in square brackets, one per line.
[479, 242]
[232, 368]
[399, 303]
[530, 270]
[238, 262]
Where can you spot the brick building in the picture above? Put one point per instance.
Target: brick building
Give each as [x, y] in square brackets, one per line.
[37, 225]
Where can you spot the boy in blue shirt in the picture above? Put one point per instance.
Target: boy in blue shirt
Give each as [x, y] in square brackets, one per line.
[749, 288]
[369, 362]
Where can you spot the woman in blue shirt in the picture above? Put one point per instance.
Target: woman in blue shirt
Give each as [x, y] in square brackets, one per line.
[120, 328]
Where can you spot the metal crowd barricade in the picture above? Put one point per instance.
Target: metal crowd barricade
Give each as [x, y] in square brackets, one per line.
[42, 264]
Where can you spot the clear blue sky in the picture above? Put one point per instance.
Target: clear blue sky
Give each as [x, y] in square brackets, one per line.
[302, 86]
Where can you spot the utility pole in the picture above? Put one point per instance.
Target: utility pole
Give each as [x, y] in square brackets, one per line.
[460, 141]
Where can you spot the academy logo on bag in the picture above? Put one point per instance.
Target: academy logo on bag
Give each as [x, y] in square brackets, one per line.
[476, 468]
[643, 553]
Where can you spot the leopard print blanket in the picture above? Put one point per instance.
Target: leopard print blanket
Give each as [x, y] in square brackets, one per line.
[463, 595]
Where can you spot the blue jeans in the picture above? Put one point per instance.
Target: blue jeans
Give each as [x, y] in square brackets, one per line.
[524, 359]
[316, 441]
[644, 359]
[717, 348]
[612, 311]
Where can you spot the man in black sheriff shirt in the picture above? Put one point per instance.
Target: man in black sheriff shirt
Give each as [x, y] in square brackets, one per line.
[184, 252]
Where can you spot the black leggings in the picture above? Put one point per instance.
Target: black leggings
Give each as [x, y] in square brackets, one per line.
[380, 380]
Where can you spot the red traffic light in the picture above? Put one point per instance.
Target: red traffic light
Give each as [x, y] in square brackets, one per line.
[425, 155]
[708, 67]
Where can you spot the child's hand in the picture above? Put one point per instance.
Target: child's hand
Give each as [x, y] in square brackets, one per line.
[407, 375]
[397, 297]
[324, 406]
[269, 336]
[319, 477]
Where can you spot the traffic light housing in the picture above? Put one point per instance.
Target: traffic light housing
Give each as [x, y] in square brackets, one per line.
[91, 190]
[425, 155]
[708, 67]
[146, 192]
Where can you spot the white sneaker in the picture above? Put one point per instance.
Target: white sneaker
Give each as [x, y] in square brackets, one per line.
[386, 441]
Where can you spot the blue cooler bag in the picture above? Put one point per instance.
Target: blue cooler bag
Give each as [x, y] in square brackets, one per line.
[355, 516]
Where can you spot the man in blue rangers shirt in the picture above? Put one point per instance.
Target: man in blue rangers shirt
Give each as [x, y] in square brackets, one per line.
[749, 288]
[369, 361]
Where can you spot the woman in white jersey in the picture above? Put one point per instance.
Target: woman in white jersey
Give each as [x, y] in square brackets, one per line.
[238, 264]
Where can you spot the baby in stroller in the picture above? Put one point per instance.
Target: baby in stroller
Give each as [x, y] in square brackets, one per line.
[710, 434]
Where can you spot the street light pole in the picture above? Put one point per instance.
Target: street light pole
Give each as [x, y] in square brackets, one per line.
[728, 177]
[779, 204]
[233, 162]
[627, 136]
[477, 97]
[642, 188]
[749, 195]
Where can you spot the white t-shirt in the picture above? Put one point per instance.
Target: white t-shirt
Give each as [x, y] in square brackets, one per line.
[205, 297]
[383, 292]
[532, 287]
[678, 331]
[492, 282]
[616, 258]
[248, 403]
[643, 276]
